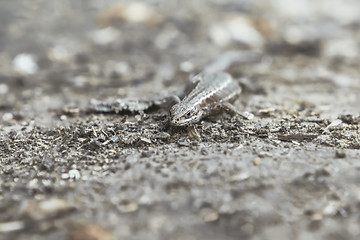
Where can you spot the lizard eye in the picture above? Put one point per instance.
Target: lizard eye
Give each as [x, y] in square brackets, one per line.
[188, 114]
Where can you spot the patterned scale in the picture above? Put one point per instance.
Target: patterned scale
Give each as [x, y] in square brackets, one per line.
[214, 88]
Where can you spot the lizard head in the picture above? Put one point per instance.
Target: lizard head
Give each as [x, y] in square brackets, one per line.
[181, 115]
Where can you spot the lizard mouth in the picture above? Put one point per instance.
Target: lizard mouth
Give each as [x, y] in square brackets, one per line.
[177, 122]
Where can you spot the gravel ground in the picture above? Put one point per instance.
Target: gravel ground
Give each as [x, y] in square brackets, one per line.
[87, 151]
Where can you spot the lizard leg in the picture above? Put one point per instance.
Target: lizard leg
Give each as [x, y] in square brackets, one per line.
[192, 132]
[232, 110]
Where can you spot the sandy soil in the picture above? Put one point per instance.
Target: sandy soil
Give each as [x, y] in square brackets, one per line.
[72, 170]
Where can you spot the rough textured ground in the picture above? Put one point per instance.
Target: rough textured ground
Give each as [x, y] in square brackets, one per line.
[70, 172]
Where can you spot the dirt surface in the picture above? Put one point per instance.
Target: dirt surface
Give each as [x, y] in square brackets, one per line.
[79, 160]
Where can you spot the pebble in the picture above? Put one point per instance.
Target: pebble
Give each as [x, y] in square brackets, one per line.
[264, 154]
[65, 176]
[138, 12]
[236, 29]
[132, 12]
[340, 154]
[80, 81]
[33, 184]
[63, 118]
[25, 63]
[49, 208]
[74, 174]
[145, 154]
[187, 66]
[240, 177]
[129, 207]
[59, 54]
[122, 68]
[11, 226]
[7, 117]
[219, 35]
[203, 151]
[334, 124]
[248, 228]
[210, 215]
[256, 161]
[4, 89]
[316, 216]
[146, 140]
[114, 139]
[80, 231]
[341, 47]
[331, 208]
[70, 111]
[105, 36]
[267, 111]
[165, 38]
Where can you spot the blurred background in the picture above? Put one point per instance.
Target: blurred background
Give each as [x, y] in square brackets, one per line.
[118, 48]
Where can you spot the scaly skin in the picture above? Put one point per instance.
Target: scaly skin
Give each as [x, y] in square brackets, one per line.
[210, 94]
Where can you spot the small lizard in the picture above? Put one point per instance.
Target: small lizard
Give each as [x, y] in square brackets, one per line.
[214, 91]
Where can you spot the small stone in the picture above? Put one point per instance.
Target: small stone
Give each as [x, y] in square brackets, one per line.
[242, 30]
[79, 81]
[248, 228]
[50, 208]
[138, 117]
[340, 154]
[114, 139]
[59, 54]
[97, 168]
[70, 111]
[145, 140]
[264, 155]
[74, 174]
[80, 231]
[341, 47]
[187, 66]
[105, 36]
[94, 145]
[4, 89]
[137, 12]
[65, 176]
[129, 207]
[7, 117]
[257, 161]
[133, 12]
[33, 184]
[349, 119]
[315, 216]
[165, 38]
[122, 68]
[145, 154]
[52, 205]
[240, 177]
[219, 35]
[145, 200]
[11, 226]
[236, 29]
[331, 208]
[334, 124]
[267, 111]
[203, 151]
[127, 166]
[25, 63]
[210, 215]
